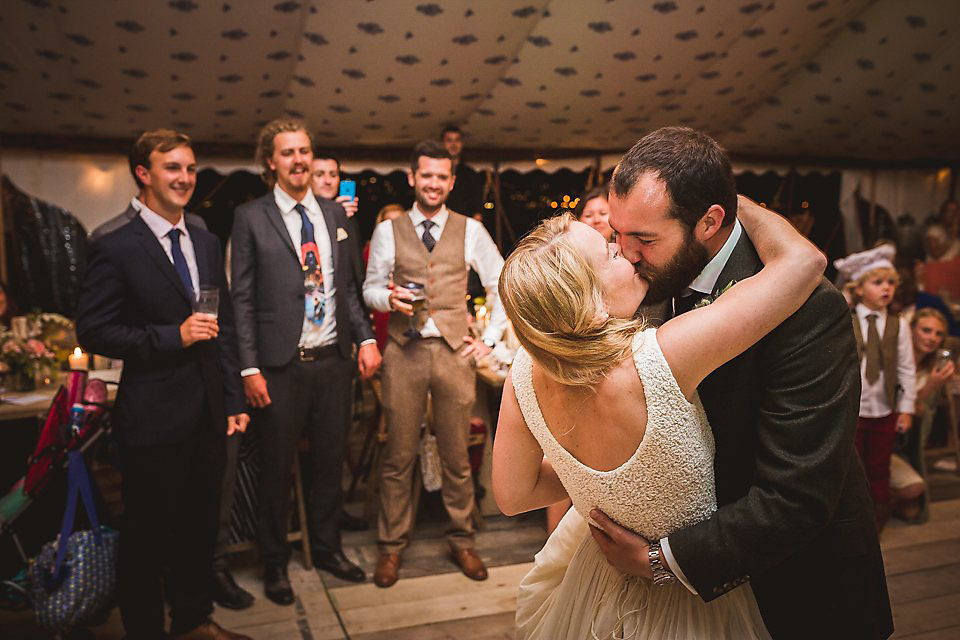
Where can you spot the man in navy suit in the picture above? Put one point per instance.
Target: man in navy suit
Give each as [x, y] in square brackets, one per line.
[180, 395]
[299, 317]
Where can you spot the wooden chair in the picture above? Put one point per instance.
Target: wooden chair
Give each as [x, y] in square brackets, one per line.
[302, 533]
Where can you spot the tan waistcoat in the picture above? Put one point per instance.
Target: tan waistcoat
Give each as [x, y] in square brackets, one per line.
[888, 351]
[443, 271]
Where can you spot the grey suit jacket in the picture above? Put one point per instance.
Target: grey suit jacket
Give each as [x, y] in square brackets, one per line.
[795, 518]
[129, 214]
[267, 284]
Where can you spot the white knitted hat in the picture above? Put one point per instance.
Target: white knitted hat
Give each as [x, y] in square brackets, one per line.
[855, 265]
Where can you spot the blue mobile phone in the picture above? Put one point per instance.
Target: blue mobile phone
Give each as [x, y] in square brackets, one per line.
[348, 188]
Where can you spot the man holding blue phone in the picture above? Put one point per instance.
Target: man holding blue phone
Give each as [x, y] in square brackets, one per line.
[326, 183]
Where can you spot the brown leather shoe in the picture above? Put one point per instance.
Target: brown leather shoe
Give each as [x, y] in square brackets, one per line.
[388, 569]
[470, 563]
[210, 630]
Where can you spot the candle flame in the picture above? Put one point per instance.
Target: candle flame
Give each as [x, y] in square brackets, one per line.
[77, 352]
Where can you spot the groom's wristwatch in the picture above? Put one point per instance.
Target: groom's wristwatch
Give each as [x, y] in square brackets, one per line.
[661, 575]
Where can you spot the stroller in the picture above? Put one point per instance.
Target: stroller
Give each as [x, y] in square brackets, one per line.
[58, 438]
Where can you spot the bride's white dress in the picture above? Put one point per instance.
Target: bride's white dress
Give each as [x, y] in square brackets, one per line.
[666, 485]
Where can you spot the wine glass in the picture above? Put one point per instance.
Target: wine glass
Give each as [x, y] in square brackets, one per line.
[419, 302]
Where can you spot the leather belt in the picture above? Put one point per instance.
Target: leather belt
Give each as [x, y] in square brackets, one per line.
[311, 354]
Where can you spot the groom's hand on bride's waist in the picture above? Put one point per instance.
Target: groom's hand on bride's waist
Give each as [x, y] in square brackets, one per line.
[624, 550]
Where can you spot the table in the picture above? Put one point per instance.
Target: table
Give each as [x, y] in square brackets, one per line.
[15, 405]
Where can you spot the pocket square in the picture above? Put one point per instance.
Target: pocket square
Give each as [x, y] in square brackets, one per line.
[342, 234]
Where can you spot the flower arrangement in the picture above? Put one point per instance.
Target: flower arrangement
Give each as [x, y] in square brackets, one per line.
[710, 299]
[23, 358]
[55, 331]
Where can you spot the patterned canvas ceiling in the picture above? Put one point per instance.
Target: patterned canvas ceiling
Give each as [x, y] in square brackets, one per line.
[870, 79]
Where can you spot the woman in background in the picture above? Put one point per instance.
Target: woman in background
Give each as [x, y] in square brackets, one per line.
[593, 210]
[382, 318]
[7, 308]
[928, 329]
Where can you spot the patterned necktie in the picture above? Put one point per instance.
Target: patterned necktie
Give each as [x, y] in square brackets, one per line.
[313, 276]
[874, 356]
[179, 261]
[427, 237]
[308, 244]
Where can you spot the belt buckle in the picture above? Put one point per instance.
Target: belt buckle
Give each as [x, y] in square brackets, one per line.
[306, 357]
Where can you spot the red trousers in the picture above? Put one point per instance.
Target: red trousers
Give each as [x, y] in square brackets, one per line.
[875, 440]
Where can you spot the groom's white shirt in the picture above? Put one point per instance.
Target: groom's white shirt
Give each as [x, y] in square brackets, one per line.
[704, 283]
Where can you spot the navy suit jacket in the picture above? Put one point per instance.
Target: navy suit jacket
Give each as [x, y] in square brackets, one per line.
[132, 305]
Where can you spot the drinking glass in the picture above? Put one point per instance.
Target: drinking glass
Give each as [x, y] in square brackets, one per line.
[419, 302]
[208, 300]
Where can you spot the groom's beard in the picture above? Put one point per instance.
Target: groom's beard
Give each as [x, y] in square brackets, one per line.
[672, 278]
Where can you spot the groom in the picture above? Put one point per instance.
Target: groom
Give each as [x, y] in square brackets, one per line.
[795, 518]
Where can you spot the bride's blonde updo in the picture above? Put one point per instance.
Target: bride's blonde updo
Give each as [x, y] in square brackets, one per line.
[554, 299]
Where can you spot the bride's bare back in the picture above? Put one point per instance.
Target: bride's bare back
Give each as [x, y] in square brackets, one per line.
[601, 427]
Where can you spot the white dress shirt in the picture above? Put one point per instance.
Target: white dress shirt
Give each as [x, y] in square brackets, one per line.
[704, 283]
[160, 227]
[479, 253]
[873, 397]
[312, 335]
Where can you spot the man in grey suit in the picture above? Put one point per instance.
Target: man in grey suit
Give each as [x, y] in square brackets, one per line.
[794, 516]
[298, 319]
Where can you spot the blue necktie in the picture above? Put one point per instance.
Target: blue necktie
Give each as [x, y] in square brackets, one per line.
[180, 262]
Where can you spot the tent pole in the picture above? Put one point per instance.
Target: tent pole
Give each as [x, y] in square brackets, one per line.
[498, 203]
[3, 226]
[872, 216]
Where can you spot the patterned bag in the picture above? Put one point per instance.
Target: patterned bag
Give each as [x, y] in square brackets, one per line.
[73, 579]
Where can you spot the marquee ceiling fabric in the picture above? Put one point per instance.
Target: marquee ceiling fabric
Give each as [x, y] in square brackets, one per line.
[863, 79]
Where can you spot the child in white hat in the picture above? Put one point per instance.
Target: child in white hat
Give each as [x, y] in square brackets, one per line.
[886, 366]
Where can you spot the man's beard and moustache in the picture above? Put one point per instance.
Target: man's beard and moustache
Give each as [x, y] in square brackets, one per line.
[672, 278]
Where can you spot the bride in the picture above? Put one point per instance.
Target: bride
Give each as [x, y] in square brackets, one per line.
[602, 408]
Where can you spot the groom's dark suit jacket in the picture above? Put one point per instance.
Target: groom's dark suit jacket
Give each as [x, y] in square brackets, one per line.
[795, 518]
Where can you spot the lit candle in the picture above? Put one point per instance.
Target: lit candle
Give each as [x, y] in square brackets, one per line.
[79, 361]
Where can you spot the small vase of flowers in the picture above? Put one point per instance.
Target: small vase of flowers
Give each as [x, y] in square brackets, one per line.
[22, 359]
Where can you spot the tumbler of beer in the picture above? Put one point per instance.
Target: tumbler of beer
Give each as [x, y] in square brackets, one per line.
[419, 303]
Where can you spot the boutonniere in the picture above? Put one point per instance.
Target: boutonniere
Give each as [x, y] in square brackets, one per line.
[342, 234]
[710, 299]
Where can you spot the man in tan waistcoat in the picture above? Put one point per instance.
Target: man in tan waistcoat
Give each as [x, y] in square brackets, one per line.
[430, 353]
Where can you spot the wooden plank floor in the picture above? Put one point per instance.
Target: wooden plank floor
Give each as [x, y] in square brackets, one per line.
[433, 601]
[923, 574]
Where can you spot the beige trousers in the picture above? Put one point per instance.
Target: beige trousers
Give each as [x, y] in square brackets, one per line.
[409, 373]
